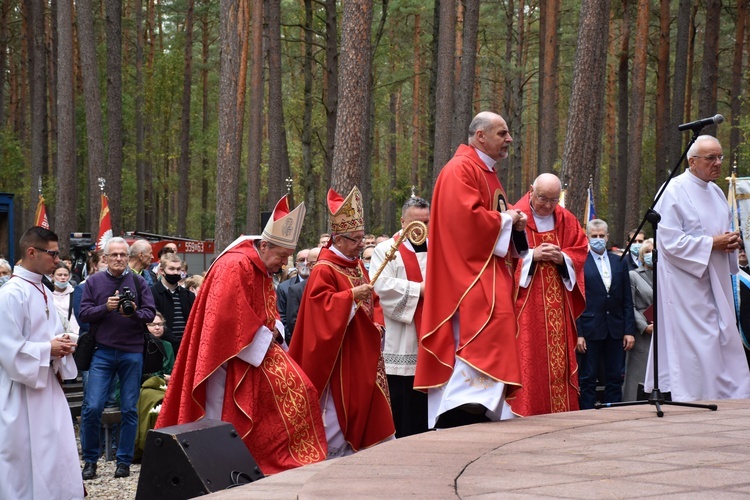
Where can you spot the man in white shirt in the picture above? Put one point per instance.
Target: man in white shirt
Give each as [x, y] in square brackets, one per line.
[38, 453]
[700, 351]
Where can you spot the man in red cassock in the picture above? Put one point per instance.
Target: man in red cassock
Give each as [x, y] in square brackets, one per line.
[231, 366]
[467, 359]
[550, 298]
[338, 336]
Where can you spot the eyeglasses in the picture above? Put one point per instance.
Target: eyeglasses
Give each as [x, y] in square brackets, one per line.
[356, 241]
[117, 255]
[711, 158]
[156, 325]
[546, 200]
[52, 253]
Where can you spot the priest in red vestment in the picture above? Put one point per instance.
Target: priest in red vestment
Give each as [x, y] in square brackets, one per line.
[231, 366]
[338, 336]
[550, 298]
[467, 359]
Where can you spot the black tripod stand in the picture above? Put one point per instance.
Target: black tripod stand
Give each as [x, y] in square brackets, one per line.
[656, 397]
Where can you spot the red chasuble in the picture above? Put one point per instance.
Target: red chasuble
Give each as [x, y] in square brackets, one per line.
[547, 314]
[345, 354]
[463, 275]
[273, 407]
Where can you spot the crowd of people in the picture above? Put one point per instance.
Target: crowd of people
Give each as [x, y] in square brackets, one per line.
[507, 310]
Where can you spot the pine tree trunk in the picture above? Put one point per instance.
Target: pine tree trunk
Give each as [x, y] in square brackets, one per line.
[204, 122]
[679, 80]
[710, 67]
[332, 84]
[38, 100]
[255, 127]
[462, 112]
[354, 86]
[308, 180]
[234, 19]
[736, 92]
[617, 222]
[662, 94]
[584, 129]
[140, 164]
[444, 89]
[115, 138]
[183, 171]
[4, 14]
[549, 20]
[415, 105]
[278, 156]
[67, 190]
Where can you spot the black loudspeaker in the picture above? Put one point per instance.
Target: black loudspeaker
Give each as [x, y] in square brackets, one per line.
[190, 460]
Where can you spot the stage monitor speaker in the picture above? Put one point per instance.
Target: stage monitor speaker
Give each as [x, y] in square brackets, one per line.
[190, 460]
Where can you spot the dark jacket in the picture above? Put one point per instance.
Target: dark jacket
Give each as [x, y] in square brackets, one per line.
[112, 328]
[607, 313]
[165, 305]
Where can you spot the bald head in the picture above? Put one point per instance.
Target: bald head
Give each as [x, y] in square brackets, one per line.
[489, 134]
[312, 255]
[545, 194]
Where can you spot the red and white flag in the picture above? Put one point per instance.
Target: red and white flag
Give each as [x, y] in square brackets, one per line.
[105, 224]
[40, 219]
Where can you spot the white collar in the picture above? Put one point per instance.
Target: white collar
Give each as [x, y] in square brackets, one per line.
[488, 161]
[338, 252]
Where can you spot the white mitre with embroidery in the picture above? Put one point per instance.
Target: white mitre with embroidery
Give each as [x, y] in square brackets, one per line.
[283, 227]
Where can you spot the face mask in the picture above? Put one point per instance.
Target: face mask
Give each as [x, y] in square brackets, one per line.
[172, 279]
[61, 284]
[367, 266]
[598, 245]
[4, 280]
[648, 259]
[635, 248]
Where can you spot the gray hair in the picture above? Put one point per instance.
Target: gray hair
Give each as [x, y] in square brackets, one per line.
[596, 224]
[414, 201]
[4, 264]
[482, 121]
[693, 151]
[115, 239]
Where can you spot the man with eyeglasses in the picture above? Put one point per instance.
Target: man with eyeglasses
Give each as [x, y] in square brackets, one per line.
[119, 352]
[294, 298]
[550, 298]
[337, 338]
[282, 291]
[39, 449]
[700, 351]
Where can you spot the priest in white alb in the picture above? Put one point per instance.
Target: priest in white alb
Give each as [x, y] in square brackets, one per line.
[701, 355]
[38, 453]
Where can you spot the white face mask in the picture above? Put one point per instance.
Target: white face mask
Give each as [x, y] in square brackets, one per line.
[4, 280]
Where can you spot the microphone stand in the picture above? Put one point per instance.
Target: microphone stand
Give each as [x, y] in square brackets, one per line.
[656, 398]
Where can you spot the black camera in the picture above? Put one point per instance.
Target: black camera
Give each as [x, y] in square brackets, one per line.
[126, 305]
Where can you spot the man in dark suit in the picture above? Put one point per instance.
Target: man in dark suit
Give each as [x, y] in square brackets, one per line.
[635, 248]
[294, 298]
[606, 328]
[282, 291]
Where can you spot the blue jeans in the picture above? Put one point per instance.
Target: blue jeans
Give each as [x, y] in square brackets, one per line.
[106, 363]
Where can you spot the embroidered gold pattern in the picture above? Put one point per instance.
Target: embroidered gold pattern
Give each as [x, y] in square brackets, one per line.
[293, 403]
[482, 381]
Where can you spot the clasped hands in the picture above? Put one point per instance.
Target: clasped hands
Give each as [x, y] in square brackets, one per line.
[548, 252]
[518, 218]
[62, 346]
[727, 242]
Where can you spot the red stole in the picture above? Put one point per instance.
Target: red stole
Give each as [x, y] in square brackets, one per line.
[547, 312]
[413, 273]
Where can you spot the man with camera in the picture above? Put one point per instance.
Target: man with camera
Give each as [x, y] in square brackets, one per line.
[117, 303]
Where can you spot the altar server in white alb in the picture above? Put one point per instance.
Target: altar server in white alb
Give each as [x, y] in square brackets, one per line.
[38, 454]
[701, 355]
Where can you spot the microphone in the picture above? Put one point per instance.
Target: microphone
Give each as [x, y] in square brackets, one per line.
[699, 124]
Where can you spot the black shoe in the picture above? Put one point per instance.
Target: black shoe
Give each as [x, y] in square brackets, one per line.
[123, 470]
[89, 471]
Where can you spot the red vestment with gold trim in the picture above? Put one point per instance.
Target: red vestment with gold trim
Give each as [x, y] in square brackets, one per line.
[547, 314]
[464, 275]
[345, 354]
[273, 407]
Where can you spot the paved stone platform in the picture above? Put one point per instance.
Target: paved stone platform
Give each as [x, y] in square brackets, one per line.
[625, 452]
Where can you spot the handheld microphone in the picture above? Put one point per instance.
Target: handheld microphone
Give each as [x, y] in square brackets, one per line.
[699, 124]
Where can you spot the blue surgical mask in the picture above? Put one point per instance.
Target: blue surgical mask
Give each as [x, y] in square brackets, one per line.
[635, 248]
[598, 245]
[4, 280]
[648, 259]
[367, 266]
[61, 284]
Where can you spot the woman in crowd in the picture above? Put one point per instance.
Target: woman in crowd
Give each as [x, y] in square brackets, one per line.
[641, 284]
[193, 283]
[63, 298]
[5, 271]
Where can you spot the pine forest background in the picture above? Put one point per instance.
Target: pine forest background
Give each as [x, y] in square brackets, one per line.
[201, 114]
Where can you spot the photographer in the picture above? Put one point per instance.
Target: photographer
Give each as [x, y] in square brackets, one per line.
[118, 304]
